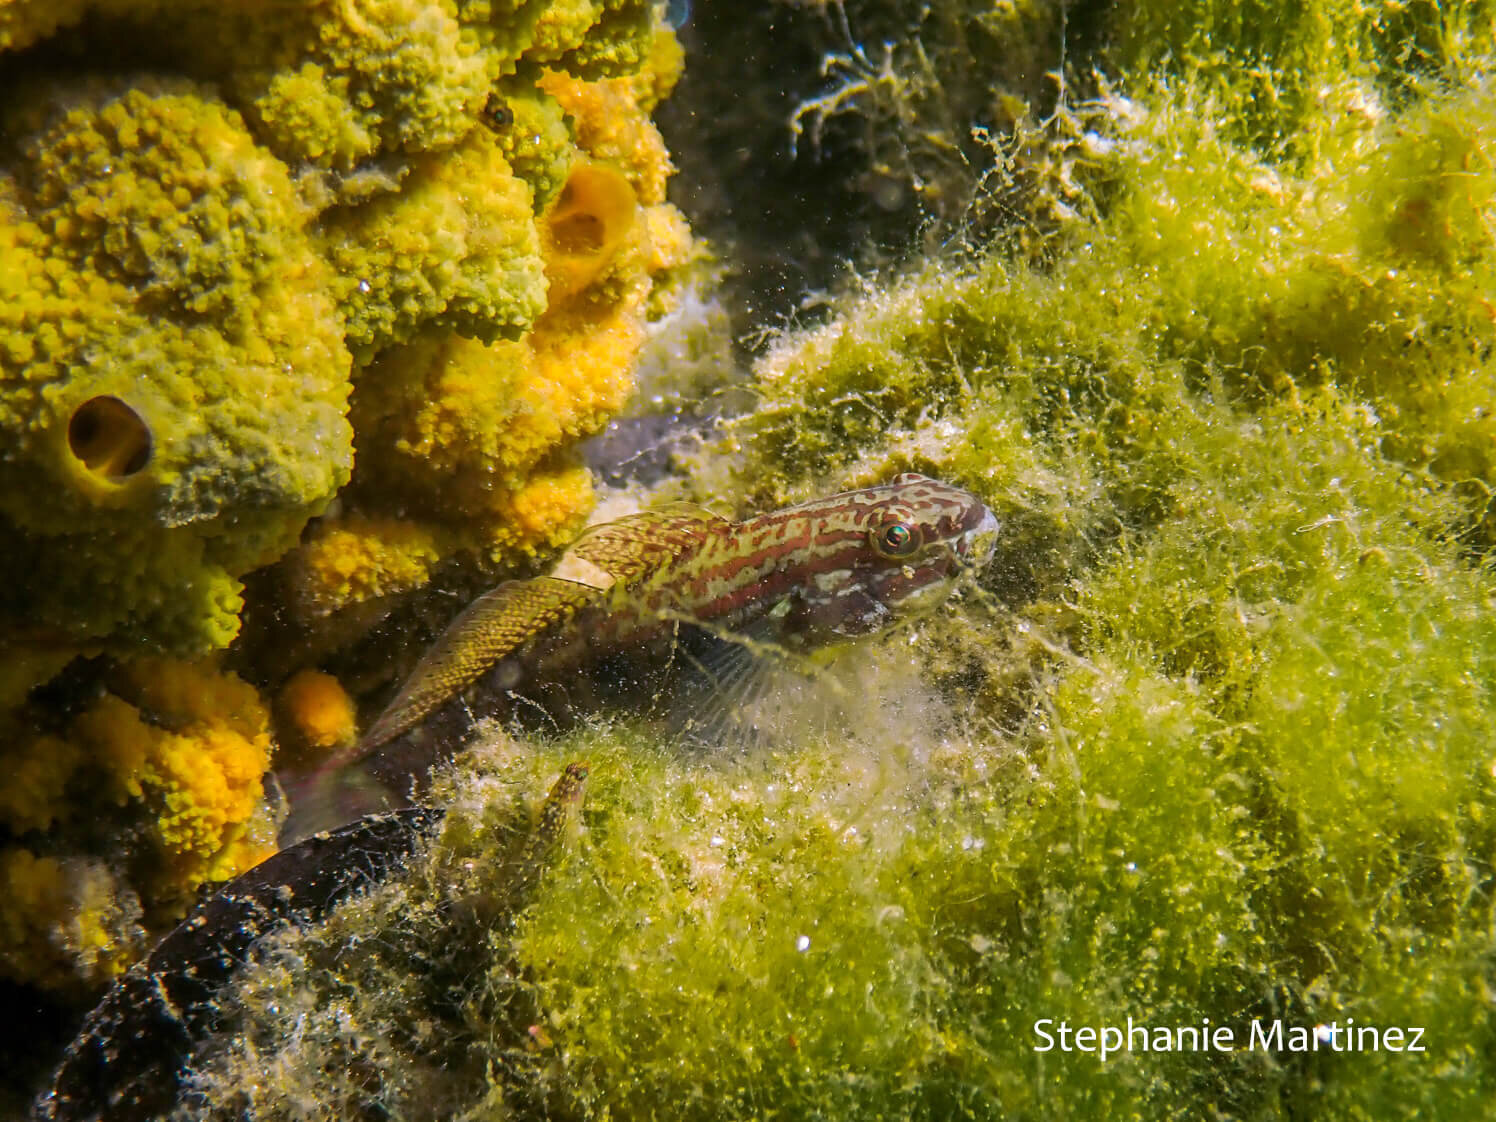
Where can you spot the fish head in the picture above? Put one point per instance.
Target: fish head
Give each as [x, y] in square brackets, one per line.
[887, 553]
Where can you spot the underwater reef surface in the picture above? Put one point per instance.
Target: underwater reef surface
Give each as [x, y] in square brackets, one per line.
[239, 242]
[1208, 743]
[1209, 740]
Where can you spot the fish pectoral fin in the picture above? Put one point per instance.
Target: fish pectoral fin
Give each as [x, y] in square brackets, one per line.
[631, 547]
[491, 627]
[725, 689]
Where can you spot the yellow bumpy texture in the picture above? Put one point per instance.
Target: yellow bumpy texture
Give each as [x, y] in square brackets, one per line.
[157, 290]
[171, 756]
[237, 242]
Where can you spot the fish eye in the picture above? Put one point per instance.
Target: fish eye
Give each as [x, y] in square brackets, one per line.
[895, 539]
[495, 114]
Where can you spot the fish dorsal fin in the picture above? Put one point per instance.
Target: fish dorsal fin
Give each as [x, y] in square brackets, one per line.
[488, 629]
[631, 547]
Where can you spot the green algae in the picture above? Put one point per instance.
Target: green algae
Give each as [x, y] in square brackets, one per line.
[1211, 740]
[1250, 782]
[1228, 802]
[872, 923]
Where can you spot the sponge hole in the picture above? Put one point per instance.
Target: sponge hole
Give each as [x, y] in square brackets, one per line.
[578, 232]
[109, 438]
[590, 223]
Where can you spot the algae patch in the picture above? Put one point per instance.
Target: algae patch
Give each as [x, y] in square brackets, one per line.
[1215, 744]
[1223, 792]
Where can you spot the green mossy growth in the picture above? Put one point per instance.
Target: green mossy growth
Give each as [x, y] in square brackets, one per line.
[1210, 740]
[1250, 782]
[1280, 64]
[1215, 271]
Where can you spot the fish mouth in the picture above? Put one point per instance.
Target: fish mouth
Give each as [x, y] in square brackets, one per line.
[975, 547]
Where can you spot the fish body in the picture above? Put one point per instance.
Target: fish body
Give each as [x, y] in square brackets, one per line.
[635, 600]
[561, 809]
